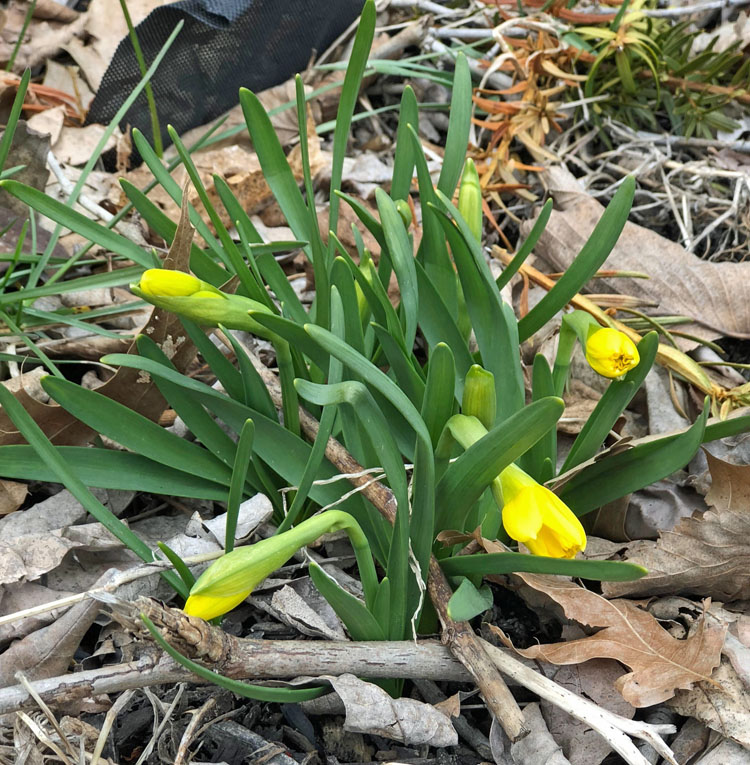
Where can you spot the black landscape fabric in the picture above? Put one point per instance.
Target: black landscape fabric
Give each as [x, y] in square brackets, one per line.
[224, 45]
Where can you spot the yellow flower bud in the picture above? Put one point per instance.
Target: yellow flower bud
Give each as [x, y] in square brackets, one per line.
[611, 353]
[537, 517]
[163, 281]
[228, 581]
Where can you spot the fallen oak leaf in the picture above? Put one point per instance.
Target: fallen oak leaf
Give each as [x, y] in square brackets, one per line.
[659, 663]
[706, 555]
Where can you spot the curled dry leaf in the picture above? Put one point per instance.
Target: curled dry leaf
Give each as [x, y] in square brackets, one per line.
[706, 555]
[723, 704]
[659, 663]
[370, 709]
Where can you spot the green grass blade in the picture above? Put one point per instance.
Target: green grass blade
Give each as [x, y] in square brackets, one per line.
[63, 215]
[179, 565]
[15, 112]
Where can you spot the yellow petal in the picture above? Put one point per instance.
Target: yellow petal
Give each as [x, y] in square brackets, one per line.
[522, 517]
[209, 606]
[163, 281]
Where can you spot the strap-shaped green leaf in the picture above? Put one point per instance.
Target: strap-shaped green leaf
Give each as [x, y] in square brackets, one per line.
[540, 460]
[619, 474]
[458, 127]
[134, 431]
[275, 167]
[439, 400]
[402, 258]
[359, 622]
[52, 457]
[403, 161]
[508, 562]
[109, 469]
[591, 257]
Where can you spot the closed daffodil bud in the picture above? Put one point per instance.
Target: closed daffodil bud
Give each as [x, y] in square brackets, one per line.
[199, 301]
[228, 581]
[610, 352]
[404, 211]
[479, 398]
[163, 282]
[537, 517]
[470, 199]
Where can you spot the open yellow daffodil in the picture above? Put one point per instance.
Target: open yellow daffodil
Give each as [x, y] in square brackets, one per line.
[537, 517]
[610, 352]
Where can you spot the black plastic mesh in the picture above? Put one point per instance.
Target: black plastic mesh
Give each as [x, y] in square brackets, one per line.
[224, 45]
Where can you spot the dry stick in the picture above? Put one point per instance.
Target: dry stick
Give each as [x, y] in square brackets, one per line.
[458, 636]
[259, 659]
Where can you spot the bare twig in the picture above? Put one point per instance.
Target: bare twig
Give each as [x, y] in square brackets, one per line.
[189, 734]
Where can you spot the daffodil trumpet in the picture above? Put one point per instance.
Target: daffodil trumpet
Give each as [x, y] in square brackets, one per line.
[228, 581]
[531, 513]
[537, 517]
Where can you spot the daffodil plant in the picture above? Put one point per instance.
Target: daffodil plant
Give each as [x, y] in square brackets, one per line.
[429, 395]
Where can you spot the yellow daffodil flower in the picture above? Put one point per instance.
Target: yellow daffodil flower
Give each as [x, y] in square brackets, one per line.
[610, 352]
[535, 516]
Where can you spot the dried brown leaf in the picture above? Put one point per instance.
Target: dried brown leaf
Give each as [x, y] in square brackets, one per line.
[659, 663]
[706, 555]
[723, 704]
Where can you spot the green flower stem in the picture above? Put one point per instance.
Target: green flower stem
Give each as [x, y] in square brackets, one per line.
[308, 531]
[565, 347]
